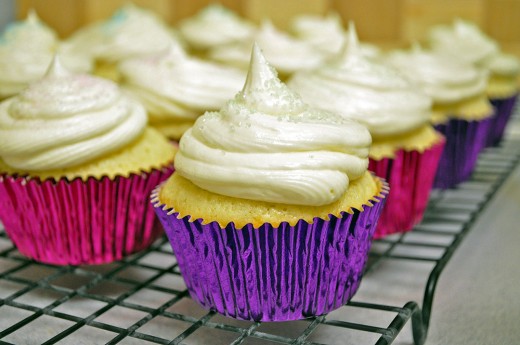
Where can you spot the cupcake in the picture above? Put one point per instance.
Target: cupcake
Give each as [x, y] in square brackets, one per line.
[326, 33]
[213, 26]
[130, 32]
[461, 110]
[26, 50]
[465, 41]
[271, 210]
[175, 88]
[77, 163]
[286, 53]
[405, 147]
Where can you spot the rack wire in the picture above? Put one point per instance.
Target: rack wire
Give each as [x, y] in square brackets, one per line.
[142, 299]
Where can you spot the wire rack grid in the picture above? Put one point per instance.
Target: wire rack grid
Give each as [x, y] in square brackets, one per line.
[143, 300]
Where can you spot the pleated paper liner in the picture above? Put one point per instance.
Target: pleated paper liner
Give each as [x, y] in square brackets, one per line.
[273, 273]
[92, 221]
[464, 141]
[504, 109]
[410, 175]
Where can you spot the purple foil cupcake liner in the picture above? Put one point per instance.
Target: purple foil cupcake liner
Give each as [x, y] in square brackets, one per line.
[504, 109]
[80, 222]
[410, 174]
[272, 273]
[464, 141]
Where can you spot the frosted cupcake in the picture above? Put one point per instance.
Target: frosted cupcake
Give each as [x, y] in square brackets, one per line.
[465, 41]
[405, 148]
[326, 33]
[271, 210]
[213, 26]
[26, 50]
[77, 163]
[176, 88]
[286, 53]
[130, 32]
[461, 110]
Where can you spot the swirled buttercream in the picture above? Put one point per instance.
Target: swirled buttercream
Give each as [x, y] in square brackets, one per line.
[65, 120]
[130, 32]
[213, 26]
[462, 40]
[444, 79]
[26, 50]
[285, 53]
[30, 33]
[172, 85]
[266, 144]
[358, 88]
[327, 34]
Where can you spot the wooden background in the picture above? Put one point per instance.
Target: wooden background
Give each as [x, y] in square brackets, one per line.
[381, 21]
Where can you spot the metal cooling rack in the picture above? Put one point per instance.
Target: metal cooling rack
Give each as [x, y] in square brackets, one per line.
[143, 300]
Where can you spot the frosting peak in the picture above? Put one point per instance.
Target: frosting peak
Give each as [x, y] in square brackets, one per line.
[56, 69]
[267, 145]
[263, 91]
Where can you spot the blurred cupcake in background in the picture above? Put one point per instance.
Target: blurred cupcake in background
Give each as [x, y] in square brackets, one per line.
[327, 34]
[213, 26]
[271, 210]
[77, 163]
[405, 147]
[286, 53]
[130, 32]
[465, 41]
[176, 88]
[26, 50]
[461, 110]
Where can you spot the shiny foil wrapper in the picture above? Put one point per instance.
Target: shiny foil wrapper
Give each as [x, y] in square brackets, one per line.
[464, 141]
[272, 273]
[80, 222]
[410, 175]
[504, 109]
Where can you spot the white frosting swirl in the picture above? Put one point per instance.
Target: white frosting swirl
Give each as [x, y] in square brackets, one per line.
[30, 33]
[284, 52]
[358, 88]
[327, 34]
[268, 145]
[26, 50]
[174, 85]
[130, 32]
[323, 32]
[213, 26]
[65, 120]
[444, 79]
[462, 40]
[503, 64]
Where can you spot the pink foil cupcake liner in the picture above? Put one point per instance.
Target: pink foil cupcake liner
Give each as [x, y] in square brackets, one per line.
[272, 273]
[464, 141]
[80, 222]
[410, 175]
[504, 110]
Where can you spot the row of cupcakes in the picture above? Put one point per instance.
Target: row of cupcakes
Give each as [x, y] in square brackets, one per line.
[105, 47]
[271, 210]
[176, 88]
